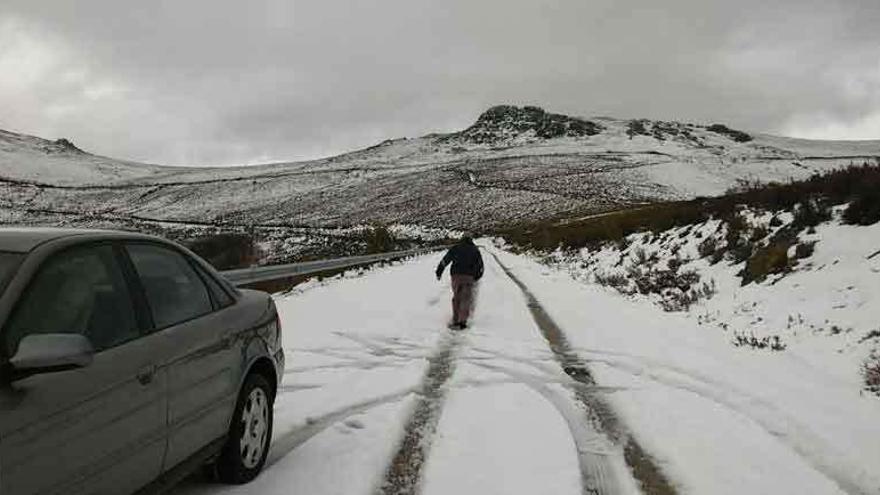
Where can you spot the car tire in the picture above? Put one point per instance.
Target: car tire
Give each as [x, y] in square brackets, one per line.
[250, 433]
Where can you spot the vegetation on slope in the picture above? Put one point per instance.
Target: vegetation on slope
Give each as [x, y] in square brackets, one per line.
[811, 199]
[738, 136]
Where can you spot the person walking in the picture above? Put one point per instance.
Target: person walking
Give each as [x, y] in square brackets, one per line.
[467, 268]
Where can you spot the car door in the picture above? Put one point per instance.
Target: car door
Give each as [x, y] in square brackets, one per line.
[98, 429]
[198, 348]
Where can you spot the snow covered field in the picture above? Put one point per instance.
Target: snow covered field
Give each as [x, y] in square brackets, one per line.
[499, 414]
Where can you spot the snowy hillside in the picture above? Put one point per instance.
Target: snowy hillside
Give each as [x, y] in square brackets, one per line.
[803, 282]
[513, 165]
[60, 162]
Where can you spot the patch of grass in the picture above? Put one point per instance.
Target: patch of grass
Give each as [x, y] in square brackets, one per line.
[865, 209]
[225, 251]
[657, 281]
[678, 289]
[738, 136]
[811, 213]
[810, 199]
[871, 373]
[765, 261]
[872, 335]
[736, 228]
[757, 234]
[378, 239]
[613, 226]
[615, 280]
[773, 342]
[804, 250]
[707, 247]
[636, 128]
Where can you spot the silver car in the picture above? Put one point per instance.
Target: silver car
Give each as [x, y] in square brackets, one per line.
[126, 363]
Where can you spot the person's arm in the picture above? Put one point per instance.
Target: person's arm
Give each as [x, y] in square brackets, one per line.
[445, 261]
[479, 266]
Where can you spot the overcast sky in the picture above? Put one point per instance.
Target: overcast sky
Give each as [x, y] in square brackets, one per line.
[198, 82]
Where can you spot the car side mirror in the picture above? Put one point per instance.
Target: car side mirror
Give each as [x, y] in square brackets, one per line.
[51, 352]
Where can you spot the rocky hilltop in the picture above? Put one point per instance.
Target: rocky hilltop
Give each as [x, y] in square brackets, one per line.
[510, 123]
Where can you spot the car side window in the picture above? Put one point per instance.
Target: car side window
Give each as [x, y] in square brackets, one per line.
[174, 290]
[221, 297]
[79, 290]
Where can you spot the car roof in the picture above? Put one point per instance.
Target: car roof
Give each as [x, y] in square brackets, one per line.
[25, 239]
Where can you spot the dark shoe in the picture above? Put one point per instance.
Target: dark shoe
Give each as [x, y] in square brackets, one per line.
[462, 325]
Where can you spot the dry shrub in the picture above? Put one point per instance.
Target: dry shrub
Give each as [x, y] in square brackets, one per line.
[865, 209]
[811, 213]
[766, 260]
[616, 280]
[773, 342]
[804, 250]
[871, 373]
[378, 239]
[707, 247]
[225, 251]
[757, 234]
[738, 136]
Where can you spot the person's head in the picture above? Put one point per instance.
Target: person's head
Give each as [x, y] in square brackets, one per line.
[467, 239]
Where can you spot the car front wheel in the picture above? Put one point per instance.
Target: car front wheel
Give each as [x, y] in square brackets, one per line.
[250, 433]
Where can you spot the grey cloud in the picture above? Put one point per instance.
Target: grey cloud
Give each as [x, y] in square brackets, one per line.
[205, 82]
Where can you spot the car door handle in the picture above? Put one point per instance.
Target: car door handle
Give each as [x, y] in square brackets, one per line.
[145, 376]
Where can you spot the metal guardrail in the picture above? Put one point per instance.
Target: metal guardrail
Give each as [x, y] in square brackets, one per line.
[245, 276]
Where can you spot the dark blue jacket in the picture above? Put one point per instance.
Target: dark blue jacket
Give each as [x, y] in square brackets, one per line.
[465, 258]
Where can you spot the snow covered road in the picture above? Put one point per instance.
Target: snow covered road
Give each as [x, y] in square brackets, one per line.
[379, 397]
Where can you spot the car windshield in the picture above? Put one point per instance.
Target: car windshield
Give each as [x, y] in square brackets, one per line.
[8, 264]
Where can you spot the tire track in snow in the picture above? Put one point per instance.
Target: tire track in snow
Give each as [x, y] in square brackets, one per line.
[780, 424]
[787, 429]
[595, 452]
[404, 473]
[287, 442]
[650, 478]
[545, 377]
[295, 437]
